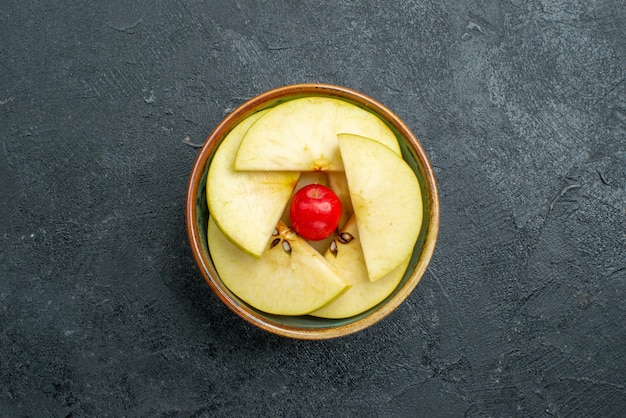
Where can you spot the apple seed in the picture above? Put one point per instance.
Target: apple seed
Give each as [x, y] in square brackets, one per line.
[333, 248]
[345, 237]
[286, 247]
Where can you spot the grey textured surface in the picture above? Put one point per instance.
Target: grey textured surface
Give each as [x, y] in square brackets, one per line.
[521, 106]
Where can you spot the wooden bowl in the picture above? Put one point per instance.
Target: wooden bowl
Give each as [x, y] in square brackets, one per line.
[309, 327]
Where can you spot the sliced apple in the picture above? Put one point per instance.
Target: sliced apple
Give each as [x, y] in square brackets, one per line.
[246, 205]
[387, 202]
[301, 135]
[290, 278]
[346, 255]
[338, 184]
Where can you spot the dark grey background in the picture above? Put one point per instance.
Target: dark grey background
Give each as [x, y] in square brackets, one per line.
[520, 105]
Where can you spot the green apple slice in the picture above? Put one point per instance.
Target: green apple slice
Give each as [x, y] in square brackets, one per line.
[290, 278]
[301, 135]
[387, 202]
[347, 257]
[246, 205]
[338, 184]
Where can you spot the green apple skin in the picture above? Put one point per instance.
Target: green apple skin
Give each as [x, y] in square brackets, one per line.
[246, 205]
[290, 277]
[387, 202]
[301, 135]
[363, 294]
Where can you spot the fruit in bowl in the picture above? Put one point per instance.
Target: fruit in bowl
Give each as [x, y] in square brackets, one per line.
[312, 211]
[315, 212]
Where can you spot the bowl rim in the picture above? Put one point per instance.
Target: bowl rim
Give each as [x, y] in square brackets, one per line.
[256, 103]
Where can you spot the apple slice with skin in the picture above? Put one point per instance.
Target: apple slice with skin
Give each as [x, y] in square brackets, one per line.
[290, 278]
[301, 135]
[338, 184]
[246, 205]
[387, 202]
[346, 255]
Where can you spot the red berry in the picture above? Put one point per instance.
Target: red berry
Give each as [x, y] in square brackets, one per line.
[315, 212]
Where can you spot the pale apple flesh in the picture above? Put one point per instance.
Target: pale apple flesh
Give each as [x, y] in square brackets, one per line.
[387, 202]
[252, 178]
[290, 277]
[246, 205]
[301, 135]
[338, 184]
[346, 256]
